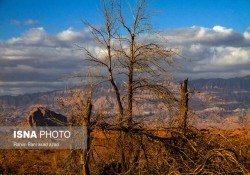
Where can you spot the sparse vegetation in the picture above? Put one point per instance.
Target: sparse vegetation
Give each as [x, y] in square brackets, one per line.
[168, 152]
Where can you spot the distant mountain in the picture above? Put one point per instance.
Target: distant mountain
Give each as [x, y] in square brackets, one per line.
[219, 84]
[216, 97]
[27, 99]
[234, 92]
[40, 116]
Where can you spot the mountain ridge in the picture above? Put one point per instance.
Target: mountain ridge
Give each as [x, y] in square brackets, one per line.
[233, 94]
[242, 83]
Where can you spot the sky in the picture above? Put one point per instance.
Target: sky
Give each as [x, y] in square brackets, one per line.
[37, 39]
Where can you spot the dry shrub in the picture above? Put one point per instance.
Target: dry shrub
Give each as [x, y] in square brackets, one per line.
[197, 152]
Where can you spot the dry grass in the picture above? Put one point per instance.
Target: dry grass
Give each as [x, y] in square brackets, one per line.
[198, 152]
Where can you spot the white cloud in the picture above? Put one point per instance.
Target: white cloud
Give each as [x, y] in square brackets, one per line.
[231, 56]
[32, 36]
[221, 29]
[216, 36]
[247, 35]
[69, 35]
[39, 37]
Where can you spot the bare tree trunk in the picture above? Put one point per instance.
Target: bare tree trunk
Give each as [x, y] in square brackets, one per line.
[130, 80]
[111, 78]
[85, 151]
[184, 106]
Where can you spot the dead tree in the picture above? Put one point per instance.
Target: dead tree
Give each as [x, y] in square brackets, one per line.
[184, 106]
[130, 53]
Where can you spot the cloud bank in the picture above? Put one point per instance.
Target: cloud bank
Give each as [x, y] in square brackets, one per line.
[38, 61]
[217, 52]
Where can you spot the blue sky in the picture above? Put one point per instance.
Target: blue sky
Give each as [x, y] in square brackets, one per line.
[57, 15]
[37, 37]
[207, 13]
